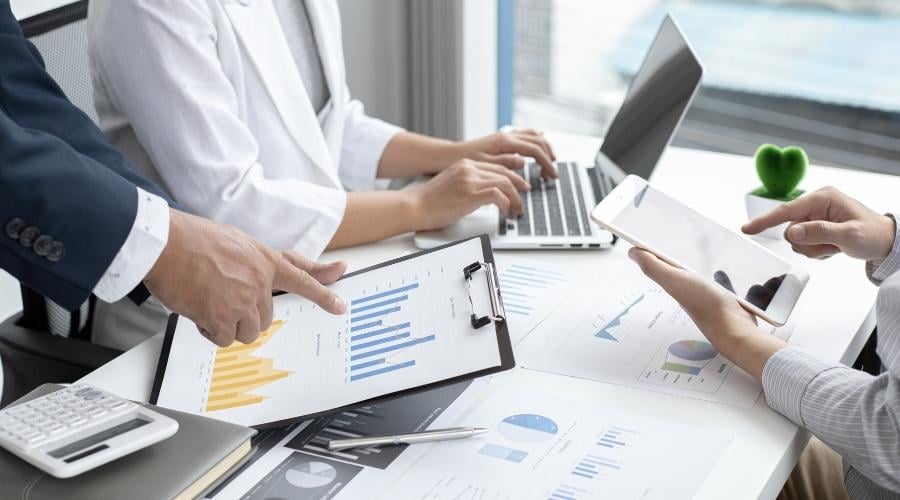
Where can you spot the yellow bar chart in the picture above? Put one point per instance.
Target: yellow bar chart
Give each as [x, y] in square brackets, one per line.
[237, 372]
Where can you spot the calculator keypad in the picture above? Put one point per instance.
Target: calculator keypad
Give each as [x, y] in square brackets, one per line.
[58, 415]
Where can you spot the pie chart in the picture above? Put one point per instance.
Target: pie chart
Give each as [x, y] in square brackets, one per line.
[528, 428]
[693, 350]
[308, 475]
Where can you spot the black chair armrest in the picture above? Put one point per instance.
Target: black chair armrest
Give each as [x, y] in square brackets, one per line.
[31, 358]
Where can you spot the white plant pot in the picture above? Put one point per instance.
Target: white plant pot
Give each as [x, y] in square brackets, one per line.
[758, 205]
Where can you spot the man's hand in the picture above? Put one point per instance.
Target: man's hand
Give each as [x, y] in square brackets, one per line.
[223, 280]
[728, 326]
[827, 222]
[509, 148]
[710, 306]
[462, 189]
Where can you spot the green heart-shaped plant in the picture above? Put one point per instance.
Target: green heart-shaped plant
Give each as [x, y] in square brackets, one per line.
[780, 171]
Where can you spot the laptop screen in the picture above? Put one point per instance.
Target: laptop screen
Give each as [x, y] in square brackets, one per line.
[655, 104]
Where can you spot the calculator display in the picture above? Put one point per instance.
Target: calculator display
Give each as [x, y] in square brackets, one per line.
[99, 437]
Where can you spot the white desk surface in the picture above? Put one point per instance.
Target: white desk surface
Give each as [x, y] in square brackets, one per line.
[835, 316]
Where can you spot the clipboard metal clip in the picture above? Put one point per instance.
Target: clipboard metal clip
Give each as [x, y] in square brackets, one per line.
[497, 315]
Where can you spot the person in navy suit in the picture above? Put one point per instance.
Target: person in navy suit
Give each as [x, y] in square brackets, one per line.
[76, 219]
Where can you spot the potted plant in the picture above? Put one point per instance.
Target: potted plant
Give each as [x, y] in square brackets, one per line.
[780, 170]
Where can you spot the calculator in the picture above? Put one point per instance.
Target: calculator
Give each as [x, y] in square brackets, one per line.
[78, 428]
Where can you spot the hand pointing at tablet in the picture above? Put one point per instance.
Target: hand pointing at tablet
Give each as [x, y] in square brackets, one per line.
[827, 222]
[822, 224]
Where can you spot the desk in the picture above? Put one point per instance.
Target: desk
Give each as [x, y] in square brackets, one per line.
[835, 317]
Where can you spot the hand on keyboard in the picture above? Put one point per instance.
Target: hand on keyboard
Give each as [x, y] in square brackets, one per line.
[511, 148]
[463, 188]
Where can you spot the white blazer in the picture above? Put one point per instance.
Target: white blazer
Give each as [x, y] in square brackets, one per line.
[203, 96]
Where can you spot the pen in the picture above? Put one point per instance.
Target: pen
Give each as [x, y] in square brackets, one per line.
[415, 437]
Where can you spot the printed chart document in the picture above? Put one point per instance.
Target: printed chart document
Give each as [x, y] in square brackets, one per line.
[532, 289]
[547, 447]
[408, 326]
[622, 328]
[293, 462]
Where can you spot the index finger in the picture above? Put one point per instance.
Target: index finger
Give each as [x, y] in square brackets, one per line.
[796, 210]
[517, 180]
[324, 273]
[538, 137]
[532, 150]
[292, 279]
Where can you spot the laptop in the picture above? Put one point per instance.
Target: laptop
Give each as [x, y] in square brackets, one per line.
[556, 210]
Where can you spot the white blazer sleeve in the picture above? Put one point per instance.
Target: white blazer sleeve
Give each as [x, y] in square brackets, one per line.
[364, 141]
[158, 62]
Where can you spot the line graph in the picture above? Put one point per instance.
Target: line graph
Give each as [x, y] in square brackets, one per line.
[606, 332]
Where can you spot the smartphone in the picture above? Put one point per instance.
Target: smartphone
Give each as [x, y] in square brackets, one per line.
[764, 283]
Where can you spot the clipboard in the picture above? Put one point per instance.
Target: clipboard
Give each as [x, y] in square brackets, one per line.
[485, 321]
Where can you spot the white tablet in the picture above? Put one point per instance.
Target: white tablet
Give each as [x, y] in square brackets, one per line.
[762, 282]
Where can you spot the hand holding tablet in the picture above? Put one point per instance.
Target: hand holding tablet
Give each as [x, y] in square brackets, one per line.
[762, 282]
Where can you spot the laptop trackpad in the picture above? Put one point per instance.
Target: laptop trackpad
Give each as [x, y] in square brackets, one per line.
[485, 220]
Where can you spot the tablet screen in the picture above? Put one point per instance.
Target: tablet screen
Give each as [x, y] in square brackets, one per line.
[703, 246]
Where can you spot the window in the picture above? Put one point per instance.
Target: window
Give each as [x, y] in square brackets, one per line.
[822, 74]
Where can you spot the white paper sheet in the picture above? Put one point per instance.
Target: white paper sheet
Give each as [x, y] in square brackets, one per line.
[622, 328]
[408, 325]
[532, 289]
[289, 464]
[547, 447]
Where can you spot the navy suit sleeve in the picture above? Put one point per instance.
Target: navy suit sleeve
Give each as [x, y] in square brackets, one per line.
[33, 100]
[59, 177]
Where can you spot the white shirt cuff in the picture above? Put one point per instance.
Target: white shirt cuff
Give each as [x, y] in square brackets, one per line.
[149, 235]
[879, 270]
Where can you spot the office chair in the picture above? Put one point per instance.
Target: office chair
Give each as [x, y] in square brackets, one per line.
[31, 354]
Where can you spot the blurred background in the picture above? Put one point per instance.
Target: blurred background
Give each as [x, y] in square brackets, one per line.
[822, 74]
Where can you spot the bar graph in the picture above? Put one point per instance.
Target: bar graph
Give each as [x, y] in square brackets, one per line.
[353, 423]
[523, 286]
[615, 437]
[503, 452]
[566, 492]
[236, 372]
[379, 334]
[396, 416]
[590, 466]
[532, 289]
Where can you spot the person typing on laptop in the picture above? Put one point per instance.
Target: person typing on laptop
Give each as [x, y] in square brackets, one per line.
[555, 211]
[240, 110]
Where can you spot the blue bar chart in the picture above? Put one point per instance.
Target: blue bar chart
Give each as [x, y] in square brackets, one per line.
[378, 334]
[523, 286]
[531, 290]
[566, 492]
[614, 437]
[590, 466]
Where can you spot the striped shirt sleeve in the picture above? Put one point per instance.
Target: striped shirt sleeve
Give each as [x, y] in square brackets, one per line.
[856, 414]
[879, 270]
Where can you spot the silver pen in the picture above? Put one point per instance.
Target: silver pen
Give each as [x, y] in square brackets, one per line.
[415, 437]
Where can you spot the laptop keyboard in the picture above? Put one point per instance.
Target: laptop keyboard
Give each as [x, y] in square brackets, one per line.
[553, 207]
